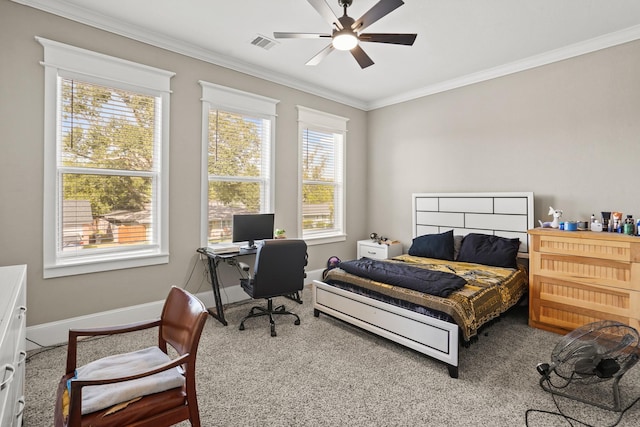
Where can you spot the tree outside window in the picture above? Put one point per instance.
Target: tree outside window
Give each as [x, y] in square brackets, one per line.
[321, 143]
[106, 161]
[238, 130]
[319, 181]
[106, 146]
[236, 169]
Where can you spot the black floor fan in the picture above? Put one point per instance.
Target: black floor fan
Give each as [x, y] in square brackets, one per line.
[594, 353]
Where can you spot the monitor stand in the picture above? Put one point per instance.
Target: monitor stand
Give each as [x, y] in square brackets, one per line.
[251, 248]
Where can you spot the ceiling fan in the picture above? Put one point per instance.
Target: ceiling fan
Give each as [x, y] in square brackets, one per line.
[347, 32]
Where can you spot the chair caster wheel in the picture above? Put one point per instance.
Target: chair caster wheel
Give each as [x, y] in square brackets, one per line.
[273, 330]
[241, 327]
[297, 322]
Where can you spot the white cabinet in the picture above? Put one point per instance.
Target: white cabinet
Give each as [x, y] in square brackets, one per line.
[13, 346]
[375, 250]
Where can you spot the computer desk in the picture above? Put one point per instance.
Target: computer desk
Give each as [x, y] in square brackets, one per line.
[213, 260]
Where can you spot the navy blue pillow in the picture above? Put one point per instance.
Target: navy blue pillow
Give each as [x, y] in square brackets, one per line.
[438, 246]
[489, 250]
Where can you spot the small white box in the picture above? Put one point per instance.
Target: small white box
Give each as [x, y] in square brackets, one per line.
[596, 226]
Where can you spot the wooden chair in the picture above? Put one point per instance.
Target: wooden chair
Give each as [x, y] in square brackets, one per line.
[180, 325]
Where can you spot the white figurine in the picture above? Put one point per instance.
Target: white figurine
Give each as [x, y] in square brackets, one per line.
[557, 214]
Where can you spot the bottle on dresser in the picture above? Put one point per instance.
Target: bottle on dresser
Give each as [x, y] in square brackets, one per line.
[629, 226]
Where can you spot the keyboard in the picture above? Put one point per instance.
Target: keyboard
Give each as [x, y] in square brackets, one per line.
[225, 249]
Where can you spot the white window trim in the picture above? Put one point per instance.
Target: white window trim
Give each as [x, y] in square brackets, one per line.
[334, 124]
[234, 101]
[69, 61]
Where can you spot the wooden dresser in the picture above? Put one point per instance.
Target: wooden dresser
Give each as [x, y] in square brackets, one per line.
[579, 277]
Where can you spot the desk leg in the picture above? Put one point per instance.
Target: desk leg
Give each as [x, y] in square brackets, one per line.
[295, 297]
[215, 285]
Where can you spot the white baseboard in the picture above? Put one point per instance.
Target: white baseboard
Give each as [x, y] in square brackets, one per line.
[54, 333]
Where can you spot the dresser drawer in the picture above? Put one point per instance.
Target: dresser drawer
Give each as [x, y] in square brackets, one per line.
[569, 305]
[622, 249]
[12, 344]
[595, 271]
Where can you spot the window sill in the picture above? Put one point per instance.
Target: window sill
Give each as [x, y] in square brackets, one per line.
[322, 240]
[94, 265]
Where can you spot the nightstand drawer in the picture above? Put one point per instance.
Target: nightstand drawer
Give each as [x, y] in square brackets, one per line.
[371, 249]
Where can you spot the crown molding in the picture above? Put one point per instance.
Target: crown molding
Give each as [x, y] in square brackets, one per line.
[84, 16]
[87, 17]
[571, 51]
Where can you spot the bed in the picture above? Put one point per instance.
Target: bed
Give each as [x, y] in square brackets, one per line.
[436, 322]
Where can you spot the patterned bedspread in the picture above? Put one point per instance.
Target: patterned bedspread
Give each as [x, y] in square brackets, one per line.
[489, 291]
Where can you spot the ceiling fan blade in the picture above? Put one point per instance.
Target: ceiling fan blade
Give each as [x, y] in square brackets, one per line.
[321, 55]
[379, 10]
[326, 12]
[362, 58]
[393, 38]
[280, 35]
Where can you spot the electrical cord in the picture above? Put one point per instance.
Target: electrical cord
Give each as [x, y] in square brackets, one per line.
[45, 348]
[568, 418]
[186, 283]
[207, 275]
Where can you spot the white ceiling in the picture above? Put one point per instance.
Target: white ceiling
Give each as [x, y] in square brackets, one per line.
[459, 41]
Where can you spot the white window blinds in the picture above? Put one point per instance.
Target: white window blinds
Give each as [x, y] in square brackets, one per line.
[238, 145]
[322, 173]
[106, 149]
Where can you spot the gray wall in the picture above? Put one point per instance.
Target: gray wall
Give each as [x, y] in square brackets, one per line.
[21, 163]
[568, 131]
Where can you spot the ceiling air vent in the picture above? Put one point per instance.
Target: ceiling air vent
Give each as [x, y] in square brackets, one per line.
[263, 42]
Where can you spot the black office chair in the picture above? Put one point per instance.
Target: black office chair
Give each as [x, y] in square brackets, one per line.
[278, 271]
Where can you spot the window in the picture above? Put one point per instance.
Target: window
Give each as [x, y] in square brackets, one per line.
[321, 139]
[106, 163]
[238, 130]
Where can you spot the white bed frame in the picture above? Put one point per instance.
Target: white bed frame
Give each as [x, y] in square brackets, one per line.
[501, 214]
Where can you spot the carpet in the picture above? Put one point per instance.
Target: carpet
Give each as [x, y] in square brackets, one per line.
[324, 372]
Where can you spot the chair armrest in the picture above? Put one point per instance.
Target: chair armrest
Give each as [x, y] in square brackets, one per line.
[72, 349]
[112, 330]
[75, 401]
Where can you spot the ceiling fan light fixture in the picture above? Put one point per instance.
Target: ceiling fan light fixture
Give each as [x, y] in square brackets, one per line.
[344, 39]
[347, 33]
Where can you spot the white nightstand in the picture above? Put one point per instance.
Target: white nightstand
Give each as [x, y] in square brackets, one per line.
[371, 249]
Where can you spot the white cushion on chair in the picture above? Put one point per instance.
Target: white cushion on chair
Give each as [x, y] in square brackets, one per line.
[99, 397]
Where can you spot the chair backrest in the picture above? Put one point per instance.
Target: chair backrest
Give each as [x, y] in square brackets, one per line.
[181, 323]
[279, 267]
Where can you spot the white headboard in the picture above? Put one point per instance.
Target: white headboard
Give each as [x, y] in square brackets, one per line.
[502, 214]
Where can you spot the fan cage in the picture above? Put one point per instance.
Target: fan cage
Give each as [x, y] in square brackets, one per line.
[590, 355]
[592, 352]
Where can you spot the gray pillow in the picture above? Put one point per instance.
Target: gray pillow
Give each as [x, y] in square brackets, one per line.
[457, 242]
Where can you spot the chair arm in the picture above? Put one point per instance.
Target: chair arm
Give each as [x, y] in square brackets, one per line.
[75, 401]
[112, 330]
[72, 351]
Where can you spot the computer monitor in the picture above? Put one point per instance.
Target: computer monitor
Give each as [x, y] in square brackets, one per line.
[252, 227]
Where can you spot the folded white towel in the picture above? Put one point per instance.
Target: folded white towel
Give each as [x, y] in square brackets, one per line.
[99, 397]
